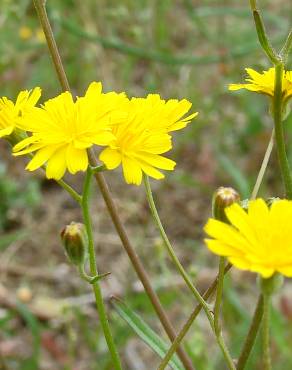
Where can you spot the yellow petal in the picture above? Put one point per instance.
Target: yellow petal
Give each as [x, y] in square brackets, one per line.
[76, 159]
[41, 157]
[222, 249]
[156, 161]
[111, 158]
[151, 171]
[6, 131]
[57, 164]
[132, 171]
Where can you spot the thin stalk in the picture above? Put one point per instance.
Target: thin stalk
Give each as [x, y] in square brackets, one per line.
[278, 96]
[279, 132]
[264, 166]
[286, 48]
[101, 182]
[40, 6]
[266, 333]
[252, 334]
[184, 330]
[137, 264]
[93, 270]
[183, 273]
[171, 251]
[70, 190]
[219, 293]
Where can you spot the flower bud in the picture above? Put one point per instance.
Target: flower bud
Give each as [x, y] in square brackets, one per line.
[75, 240]
[222, 198]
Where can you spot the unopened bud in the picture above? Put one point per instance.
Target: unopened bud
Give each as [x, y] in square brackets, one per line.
[223, 197]
[75, 241]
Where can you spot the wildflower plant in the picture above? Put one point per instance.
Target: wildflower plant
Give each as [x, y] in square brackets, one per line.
[65, 133]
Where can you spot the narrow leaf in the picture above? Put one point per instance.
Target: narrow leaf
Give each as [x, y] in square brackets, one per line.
[153, 340]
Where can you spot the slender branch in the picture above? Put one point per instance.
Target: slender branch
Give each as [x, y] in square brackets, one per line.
[264, 166]
[219, 293]
[287, 47]
[136, 262]
[252, 334]
[43, 17]
[279, 132]
[183, 273]
[171, 251]
[93, 270]
[184, 330]
[70, 190]
[266, 333]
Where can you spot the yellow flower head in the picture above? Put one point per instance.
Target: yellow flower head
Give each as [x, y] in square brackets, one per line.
[258, 240]
[62, 129]
[264, 83]
[163, 115]
[141, 140]
[10, 112]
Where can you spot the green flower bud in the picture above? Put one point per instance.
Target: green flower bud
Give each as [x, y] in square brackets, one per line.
[222, 198]
[75, 240]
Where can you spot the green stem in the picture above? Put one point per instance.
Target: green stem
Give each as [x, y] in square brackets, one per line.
[252, 334]
[219, 293]
[266, 333]
[171, 252]
[184, 330]
[183, 273]
[56, 58]
[70, 190]
[279, 133]
[264, 166]
[93, 270]
[102, 184]
[286, 48]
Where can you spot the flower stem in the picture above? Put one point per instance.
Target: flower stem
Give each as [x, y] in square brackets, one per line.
[219, 293]
[252, 334]
[286, 48]
[184, 330]
[263, 166]
[93, 270]
[266, 333]
[279, 132]
[278, 61]
[70, 190]
[183, 273]
[136, 262]
[171, 251]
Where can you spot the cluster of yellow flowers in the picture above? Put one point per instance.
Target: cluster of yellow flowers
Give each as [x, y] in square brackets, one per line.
[135, 132]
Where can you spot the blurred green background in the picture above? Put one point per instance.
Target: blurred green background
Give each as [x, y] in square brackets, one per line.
[179, 49]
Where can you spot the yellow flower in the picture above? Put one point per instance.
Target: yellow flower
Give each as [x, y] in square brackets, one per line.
[10, 112]
[259, 240]
[264, 83]
[63, 129]
[163, 115]
[139, 142]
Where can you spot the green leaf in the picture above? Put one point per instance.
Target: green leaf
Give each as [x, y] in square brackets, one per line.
[145, 333]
